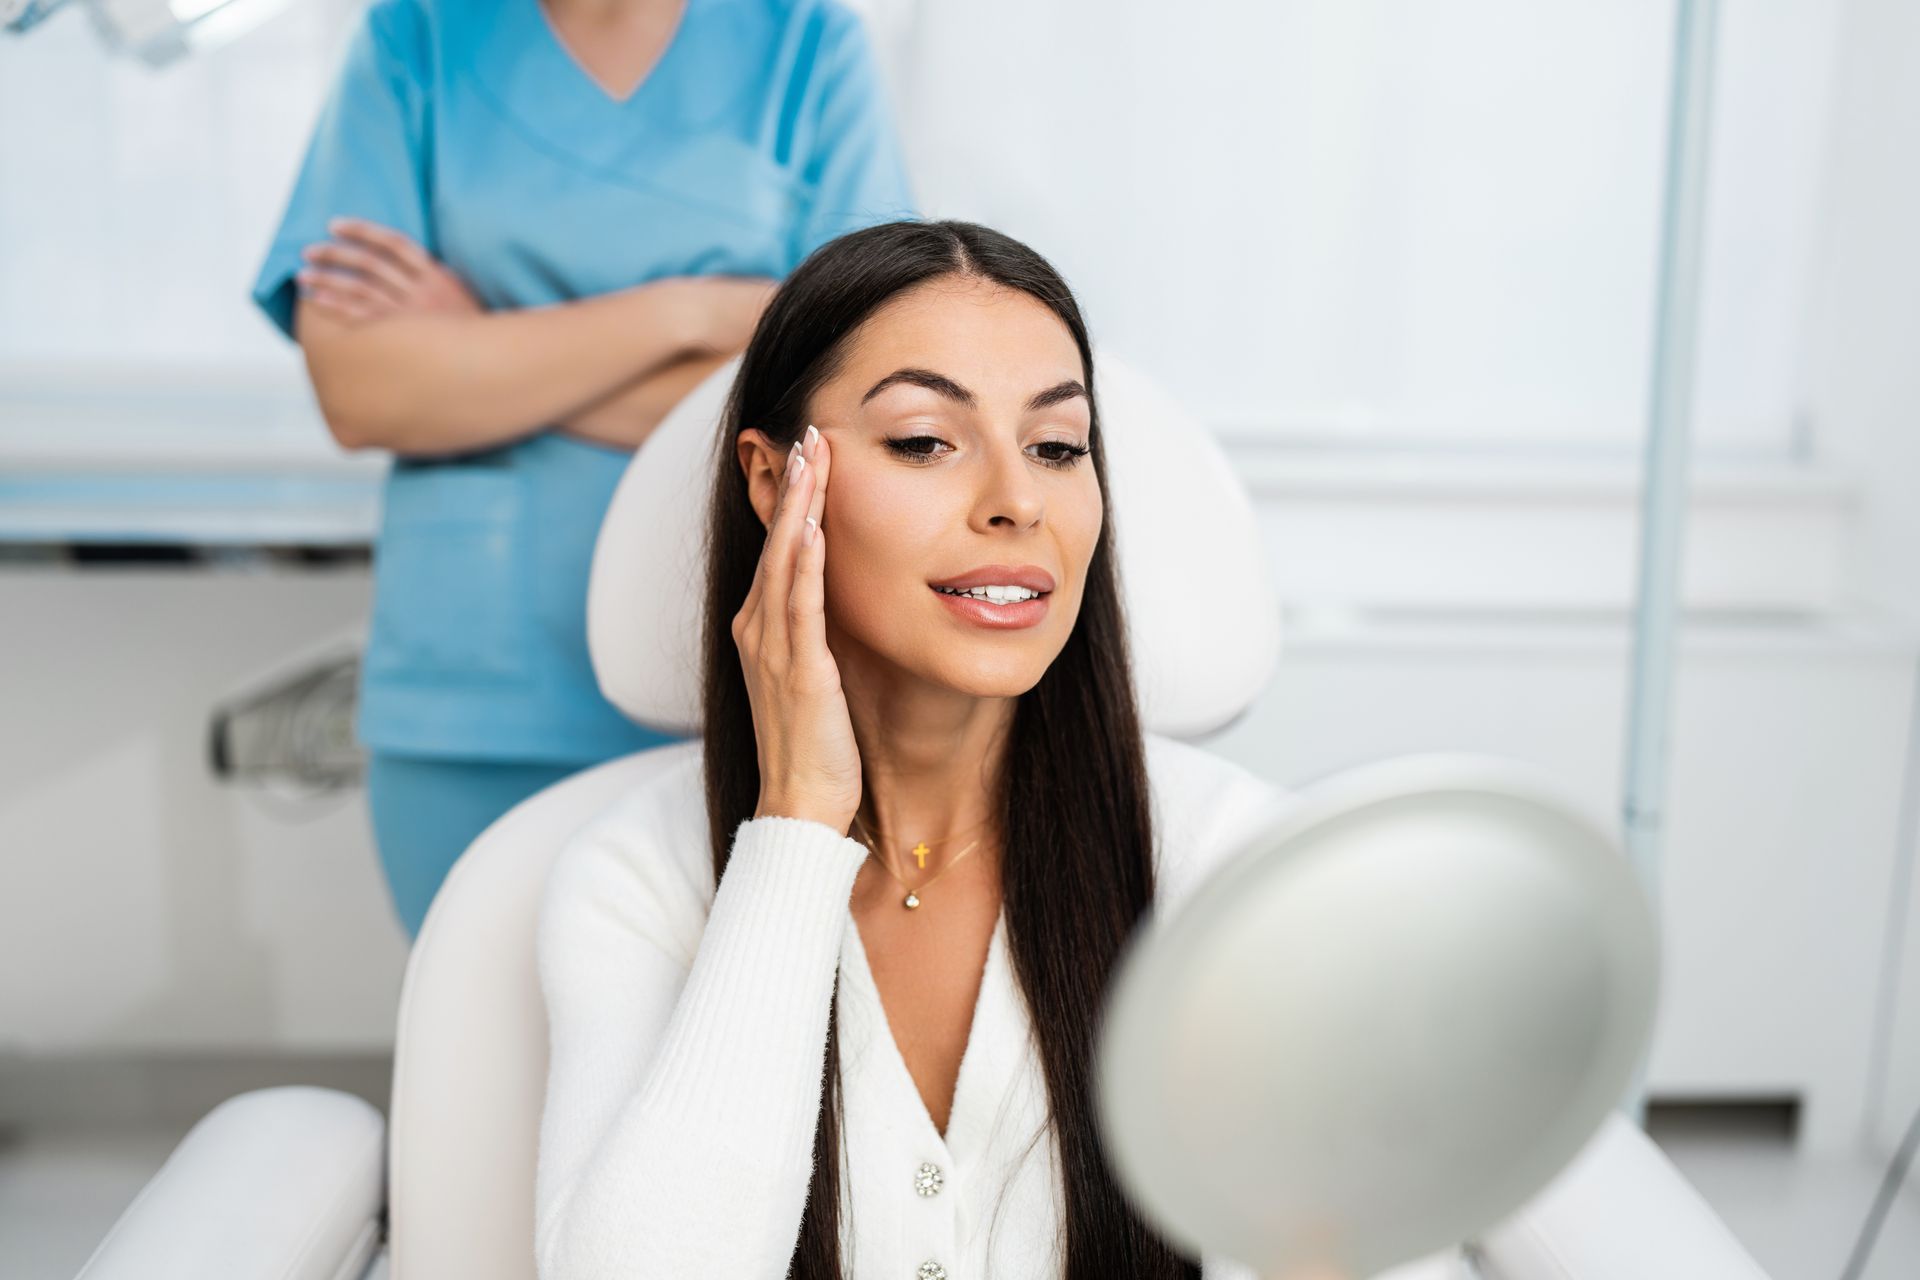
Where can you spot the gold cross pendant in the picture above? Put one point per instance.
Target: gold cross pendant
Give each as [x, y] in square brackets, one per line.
[920, 852]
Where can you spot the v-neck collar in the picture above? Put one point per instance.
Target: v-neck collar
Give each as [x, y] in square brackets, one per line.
[989, 1056]
[519, 63]
[556, 43]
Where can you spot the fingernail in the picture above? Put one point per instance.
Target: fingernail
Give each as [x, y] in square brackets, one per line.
[793, 461]
[812, 436]
[806, 535]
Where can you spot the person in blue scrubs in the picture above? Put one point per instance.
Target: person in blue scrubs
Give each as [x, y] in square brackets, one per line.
[491, 180]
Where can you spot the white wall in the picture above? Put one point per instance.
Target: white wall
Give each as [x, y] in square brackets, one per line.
[1368, 220]
[135, 203]
[1354, 219]
[1777, 848]
[1864, 388]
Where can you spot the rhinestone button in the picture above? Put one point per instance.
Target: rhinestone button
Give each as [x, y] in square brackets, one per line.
[927, 1180]
[931, 1270]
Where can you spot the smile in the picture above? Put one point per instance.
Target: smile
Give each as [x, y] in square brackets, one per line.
[1008, 607]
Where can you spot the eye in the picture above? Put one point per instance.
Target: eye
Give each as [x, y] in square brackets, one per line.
[1070, 457]
[900, 446]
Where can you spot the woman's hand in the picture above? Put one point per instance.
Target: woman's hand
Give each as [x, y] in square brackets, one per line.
[809, 764]
[369, 271]
[719, 314]
[625, 419]
[728, 308]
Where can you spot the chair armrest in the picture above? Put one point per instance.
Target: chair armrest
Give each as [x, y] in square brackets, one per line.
[1620, 1211]
[285, 1183]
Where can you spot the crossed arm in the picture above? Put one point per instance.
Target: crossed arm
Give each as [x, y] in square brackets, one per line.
[402, 356]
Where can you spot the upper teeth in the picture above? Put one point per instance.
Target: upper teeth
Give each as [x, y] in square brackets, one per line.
[999, 595]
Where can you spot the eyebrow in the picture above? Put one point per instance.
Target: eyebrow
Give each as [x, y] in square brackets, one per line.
[943, 385]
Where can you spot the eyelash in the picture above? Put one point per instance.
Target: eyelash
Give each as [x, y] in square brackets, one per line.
[1074, 452]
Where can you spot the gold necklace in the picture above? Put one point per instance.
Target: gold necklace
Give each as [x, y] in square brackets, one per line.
[912, 899]
[920, 850]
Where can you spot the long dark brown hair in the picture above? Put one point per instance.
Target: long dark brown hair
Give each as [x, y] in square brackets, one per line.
[1077, 867]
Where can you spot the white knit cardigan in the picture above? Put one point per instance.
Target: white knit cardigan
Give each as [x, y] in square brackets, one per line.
[688, 1037]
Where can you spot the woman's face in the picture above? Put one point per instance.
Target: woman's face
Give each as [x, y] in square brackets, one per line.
[956, 423]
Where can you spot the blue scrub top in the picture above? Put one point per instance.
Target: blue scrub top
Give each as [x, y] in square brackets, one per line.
[761, 133]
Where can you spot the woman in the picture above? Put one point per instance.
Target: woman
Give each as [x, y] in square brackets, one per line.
[818, 991]
[522, 232]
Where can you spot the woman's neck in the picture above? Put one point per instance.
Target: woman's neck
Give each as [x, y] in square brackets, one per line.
[930, 763]
[610, 10]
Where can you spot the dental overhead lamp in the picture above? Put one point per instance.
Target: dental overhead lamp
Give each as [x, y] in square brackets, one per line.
[1393, 1016]
[156, 32]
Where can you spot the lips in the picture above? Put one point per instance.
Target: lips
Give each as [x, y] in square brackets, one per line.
[1030, 576]
[999, 617]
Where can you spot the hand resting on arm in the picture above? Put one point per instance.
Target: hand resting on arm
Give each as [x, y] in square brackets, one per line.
[402, 356]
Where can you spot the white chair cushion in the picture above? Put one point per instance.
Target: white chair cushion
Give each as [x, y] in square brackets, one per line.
[284, 1183]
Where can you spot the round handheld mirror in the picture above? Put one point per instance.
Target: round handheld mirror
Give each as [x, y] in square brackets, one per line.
[1382, 1024]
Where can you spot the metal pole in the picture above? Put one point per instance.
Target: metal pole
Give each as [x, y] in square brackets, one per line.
[1664, 490]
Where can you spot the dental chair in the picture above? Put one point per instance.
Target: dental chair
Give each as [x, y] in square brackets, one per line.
[304, 1183]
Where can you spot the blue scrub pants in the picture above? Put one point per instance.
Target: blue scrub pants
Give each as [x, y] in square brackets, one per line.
[428, 809]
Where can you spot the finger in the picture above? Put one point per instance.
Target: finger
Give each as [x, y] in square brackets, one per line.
[400, 246]
[362, 260]
[348, 288]
[373, 267]
[334, 305]
[820, 462]
[779, 556]
[404, 270]
[807, 608]
[778, 559]
[347, 284]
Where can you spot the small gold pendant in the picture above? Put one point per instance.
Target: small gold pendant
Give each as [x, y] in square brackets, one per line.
[913, 900]
[920, 852]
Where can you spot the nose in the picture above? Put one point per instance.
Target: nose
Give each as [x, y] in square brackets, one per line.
[1011, 496]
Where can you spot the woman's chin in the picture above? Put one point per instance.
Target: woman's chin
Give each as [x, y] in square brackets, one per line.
[981, 662]
[991, 675]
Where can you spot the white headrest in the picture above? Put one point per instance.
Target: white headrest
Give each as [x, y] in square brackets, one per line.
[1203, 617]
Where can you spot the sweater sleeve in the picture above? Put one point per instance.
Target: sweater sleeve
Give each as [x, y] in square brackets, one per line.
[682, 1094]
